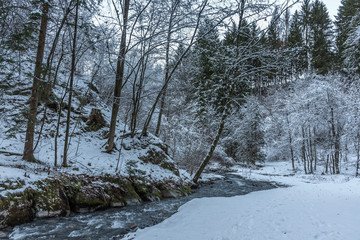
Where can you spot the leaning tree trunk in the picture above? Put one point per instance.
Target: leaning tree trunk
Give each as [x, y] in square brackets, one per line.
[29, 139]
[118, 79]
[227, 105]
[167, 80]
[213, 145]
[73, 62]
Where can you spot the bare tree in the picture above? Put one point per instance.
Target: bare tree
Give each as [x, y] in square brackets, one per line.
[202, 7]
[235, 73]
[30, 131]
[73, 62]
[119, 77]
[167, 66]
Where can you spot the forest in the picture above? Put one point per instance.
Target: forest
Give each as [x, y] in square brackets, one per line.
[122, 103]
[233, 81]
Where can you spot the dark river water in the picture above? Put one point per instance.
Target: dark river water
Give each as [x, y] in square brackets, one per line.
[115, 223]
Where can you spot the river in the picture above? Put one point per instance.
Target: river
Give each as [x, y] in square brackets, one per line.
[116, 222]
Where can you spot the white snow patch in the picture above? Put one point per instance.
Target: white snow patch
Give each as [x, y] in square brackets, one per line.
[328, 211]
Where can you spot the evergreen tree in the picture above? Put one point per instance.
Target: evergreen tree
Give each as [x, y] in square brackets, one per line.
[204, 55]
[351, 50]
[273, 34]
[231, 36]
[245, 140]
[287, 27]
[296, 45]
[17, 33]
[305, 20]
[275, 49]
[321, 33]
[347, 10]
[295, 38]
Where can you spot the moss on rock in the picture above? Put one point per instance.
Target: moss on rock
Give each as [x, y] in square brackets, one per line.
[16, 209]
[92, 198]
[160, 158]
[51, 199]
[81, 193]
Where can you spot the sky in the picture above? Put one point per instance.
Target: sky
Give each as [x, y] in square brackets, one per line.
[332, 6]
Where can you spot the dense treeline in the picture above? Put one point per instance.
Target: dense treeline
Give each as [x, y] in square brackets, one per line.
[207, 77]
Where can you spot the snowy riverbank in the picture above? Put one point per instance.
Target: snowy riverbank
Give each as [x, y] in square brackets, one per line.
[315, 207]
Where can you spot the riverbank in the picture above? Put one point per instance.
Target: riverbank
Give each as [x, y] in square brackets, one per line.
[65, 194]
[95, 180]
[316, 206]
[114, 223]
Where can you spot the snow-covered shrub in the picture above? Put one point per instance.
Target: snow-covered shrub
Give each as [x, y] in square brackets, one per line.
[245, 137]
[307, 121]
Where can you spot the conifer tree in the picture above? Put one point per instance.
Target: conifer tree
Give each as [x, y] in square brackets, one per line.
[273, 34]
[351, 50]
[305, 20]
[346, 12]
[204, 66]
[296, 44]
[320, 26]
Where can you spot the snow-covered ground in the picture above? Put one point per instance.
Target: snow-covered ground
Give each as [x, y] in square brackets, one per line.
[314, 207]
[86, 153]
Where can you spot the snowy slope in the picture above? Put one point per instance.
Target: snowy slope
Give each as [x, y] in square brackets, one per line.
[86, 149]
[328, 211]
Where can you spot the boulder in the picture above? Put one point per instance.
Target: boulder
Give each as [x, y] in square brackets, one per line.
[51, 200]
[159, 157]
[90, 198]
[16, 210]
[95, 121]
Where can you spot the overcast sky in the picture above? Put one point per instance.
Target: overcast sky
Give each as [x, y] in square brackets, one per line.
[332, 6]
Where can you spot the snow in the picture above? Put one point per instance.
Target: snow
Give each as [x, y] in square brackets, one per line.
[86, 150]
[282, 173]
[307, 211]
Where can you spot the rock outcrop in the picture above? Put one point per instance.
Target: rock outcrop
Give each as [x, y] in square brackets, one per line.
[58, 196]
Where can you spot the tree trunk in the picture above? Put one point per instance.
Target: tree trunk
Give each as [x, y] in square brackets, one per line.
[213, 145]
[60, 104]
[303, 149]
[46, 86]
[336, 137]
[311, 152]
[30, 131]
[168, 40]
[119, 78]
[138, 89]
[73, 62]
[315, 151]
[337, 154]
[290, 143]
[327, 164]
[357, 148]
[166, 82]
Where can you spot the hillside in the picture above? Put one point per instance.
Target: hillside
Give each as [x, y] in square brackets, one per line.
[138, 162]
